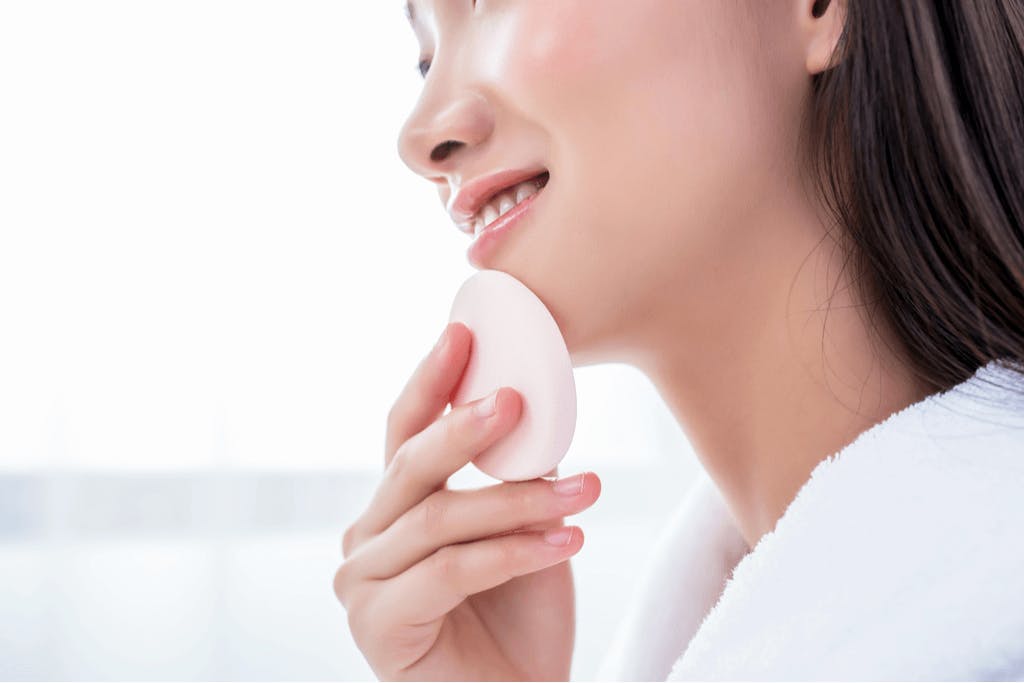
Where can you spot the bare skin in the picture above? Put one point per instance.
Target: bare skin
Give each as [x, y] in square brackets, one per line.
[677, 233]
[435, 586]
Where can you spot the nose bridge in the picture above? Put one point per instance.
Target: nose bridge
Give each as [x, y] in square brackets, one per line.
[444, 120]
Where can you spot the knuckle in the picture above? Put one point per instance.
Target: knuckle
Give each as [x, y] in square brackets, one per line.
[450, 428]
[393, 417]
[341, 583]
[445, 563]
[353, 595]
[433, 514]
[359, 612]
[524, 497]
[509, 552]
[348, 542]
[399, 462]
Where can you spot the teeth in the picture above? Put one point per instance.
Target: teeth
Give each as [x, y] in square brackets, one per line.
[503, 203]
[525, 190]
[490, 214]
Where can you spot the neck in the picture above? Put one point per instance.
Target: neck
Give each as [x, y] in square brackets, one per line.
[767, 390]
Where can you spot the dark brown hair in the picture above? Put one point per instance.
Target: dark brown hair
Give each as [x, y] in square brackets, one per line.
[916, 140]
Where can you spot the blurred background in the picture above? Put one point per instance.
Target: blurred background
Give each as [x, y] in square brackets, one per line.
[216, 275]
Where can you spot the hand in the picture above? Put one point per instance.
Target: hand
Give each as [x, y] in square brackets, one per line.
[443, 584]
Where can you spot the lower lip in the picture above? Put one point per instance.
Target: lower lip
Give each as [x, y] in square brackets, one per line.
[485, 242]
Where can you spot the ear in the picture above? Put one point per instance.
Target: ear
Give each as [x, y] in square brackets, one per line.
[821, 23]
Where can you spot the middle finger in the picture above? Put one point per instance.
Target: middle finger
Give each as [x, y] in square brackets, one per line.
[446, 517]
[424, 463]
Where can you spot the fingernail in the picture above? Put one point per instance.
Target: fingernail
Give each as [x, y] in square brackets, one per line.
[569, 486]
[487, 406]
[558, 536]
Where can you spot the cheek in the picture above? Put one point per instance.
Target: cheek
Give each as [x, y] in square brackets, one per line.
[683, 122]
[666, 83]
[659, 119]
[546, 56]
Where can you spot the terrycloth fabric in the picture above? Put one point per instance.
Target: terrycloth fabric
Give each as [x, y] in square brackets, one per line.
[900, 558]
[687, 571]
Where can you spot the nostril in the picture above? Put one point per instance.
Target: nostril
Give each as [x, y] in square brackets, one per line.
[441, 151]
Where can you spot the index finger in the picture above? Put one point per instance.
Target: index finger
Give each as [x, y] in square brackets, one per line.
[429, 389]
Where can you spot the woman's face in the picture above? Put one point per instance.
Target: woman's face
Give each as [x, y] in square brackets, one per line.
[667, 127]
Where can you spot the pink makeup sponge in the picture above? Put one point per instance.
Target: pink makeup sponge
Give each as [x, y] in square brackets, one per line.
[516, 343]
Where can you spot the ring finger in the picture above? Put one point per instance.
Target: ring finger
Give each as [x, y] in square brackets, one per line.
[447, 517]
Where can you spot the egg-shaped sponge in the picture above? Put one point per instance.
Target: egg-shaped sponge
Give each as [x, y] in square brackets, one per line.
[517, 343]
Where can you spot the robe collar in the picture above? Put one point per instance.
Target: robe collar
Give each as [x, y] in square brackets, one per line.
[901, 557]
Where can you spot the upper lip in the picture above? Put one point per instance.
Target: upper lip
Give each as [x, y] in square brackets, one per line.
[472, 196]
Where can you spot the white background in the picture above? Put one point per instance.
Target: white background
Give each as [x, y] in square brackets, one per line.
[216, 275]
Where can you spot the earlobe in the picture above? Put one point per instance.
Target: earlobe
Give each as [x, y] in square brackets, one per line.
[824, 21]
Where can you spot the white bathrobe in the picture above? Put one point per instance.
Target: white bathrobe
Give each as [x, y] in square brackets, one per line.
[900, 558]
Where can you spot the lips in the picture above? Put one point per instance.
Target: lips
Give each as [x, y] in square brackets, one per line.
[475, 194]
[504, 202]
[488, 238]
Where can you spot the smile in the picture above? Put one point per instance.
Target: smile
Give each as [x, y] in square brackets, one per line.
[506, 200]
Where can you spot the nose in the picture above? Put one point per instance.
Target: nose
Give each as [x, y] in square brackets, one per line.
[441, 128]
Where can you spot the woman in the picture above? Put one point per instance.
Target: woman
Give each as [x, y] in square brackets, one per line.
[802, 220]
